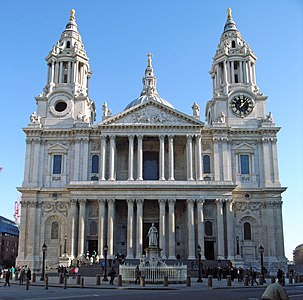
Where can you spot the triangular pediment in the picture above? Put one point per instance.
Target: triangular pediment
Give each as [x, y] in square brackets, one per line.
[151, 113]
[57, 148]
[244, 148]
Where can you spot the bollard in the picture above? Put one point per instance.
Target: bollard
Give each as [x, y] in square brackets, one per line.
[65, 283]
[98, 279]
[78, 279]
[82, 282]
[228, 280]
[261, 279]
[210, 280]
[165, 280]
[119, 280]
[188, 283]
[27, 284]
[290, 279]
[142, 280]
[34, 277]
[245, 280]
[273, 279]
[46, 281]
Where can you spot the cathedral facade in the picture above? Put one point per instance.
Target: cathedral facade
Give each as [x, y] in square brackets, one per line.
[90, 184]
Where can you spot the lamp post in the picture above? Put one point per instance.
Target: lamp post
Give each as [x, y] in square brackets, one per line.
[65, 239]
[261, 250]
[238, 249]
[44, 248]
[199, 262]
[105, 249]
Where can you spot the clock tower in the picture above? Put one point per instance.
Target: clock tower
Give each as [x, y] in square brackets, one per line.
[237, 100]
[64, 101]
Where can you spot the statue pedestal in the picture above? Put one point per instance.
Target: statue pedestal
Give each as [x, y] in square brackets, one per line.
[153, 255]
[64, 261]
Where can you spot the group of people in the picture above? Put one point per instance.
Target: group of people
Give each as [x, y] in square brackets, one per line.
[23, 273]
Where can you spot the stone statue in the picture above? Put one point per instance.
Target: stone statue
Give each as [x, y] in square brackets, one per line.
[196, 110]
[222, 117]
[106, 112]
[35, 119]
[153, 236]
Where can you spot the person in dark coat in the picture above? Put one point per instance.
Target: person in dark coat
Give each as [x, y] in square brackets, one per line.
[112, 274]
[7, 276]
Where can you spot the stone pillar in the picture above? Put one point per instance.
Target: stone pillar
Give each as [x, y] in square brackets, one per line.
[198, 158]
[191, 228]
[240, 72]
[69, 71]
[216, 159]
[112, 158]
[171, 157]
[61, 72]
[27, 168]
[270, 206]
[226, 160]
[139, 238]
[220, 229]
[101, 231]
[189, 158]
[200, 227]
[72, 226]
[23, 238]
[36, 160]
[171, 229]
[161, 158]
[266, 161]
[279, 230]
[232, 72]
[230, 229]
[103, 158]
[275, 161]
[110, 227]
[77, 158]
[162, 237]
[81, 234]
[130, 157]
[130, 229]
[140, 158]
[244, 72]
[85, 158]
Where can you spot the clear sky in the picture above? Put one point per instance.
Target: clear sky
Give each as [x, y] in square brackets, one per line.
[183, 37]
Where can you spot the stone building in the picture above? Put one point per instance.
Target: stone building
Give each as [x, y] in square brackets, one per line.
[215, 184]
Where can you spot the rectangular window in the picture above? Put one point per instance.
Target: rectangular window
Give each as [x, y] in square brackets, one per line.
[57, 164]
[244, 164]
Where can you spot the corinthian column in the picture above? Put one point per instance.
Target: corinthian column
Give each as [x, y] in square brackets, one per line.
[81, 234]
[103, 151]
[200, 227]
[162, 242]
[130, 220]
[139, 228]
[72, 226]
[229, 229]
[140, 158]
[130, 157]
[191, 229]
[101, 227]
[220, 229]
[161, 163]
[110, 227]
[171, 157]
[198, 156]
[112, 158]
[189, 158]
[171, 229]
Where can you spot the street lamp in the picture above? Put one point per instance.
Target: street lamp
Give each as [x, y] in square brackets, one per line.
[261, 250]
[199, 261]
[65, 239]
[44, 248]
[238, 249]
[105, 249]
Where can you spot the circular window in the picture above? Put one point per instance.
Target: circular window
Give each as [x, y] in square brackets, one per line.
[60, 106]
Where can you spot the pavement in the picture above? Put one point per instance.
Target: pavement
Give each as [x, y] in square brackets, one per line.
[90, 282]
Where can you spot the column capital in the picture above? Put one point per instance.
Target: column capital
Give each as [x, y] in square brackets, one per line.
[82, 202]
[103, 138]
[171, 201]
[200, 201]
[131, 137]
[73, 201]
[190, 201]
[130, 201]
[101, 201]
[219, 201]
[189, 137]
[112, 137]
[162, 201]
[140, 201]
[111, 201]
[171, 138]
[140, 137]
[161, 137]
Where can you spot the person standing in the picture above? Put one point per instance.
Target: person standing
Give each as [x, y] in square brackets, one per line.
[7, 276]
[112, 275]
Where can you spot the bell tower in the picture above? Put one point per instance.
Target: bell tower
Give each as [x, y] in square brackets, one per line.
[64, 101]
[236, 99]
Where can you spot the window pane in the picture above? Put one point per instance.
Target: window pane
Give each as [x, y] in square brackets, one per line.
[57, 164]
[206, 164]
[95, 163]
[244, 164]
[208, 228]
[247, 231]
[55, 230]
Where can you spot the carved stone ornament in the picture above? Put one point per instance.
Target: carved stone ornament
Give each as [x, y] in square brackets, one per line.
[93, 210]
[249, 206]
[54, 207]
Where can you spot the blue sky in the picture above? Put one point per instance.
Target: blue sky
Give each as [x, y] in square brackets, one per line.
[183, 37]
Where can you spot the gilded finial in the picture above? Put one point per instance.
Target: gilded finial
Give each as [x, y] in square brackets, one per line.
[229, 16]
[72, 15]
[149, 60]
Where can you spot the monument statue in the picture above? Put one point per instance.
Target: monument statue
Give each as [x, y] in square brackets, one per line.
[153, 236]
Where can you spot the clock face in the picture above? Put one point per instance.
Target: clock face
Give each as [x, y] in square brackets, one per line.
[242, 105]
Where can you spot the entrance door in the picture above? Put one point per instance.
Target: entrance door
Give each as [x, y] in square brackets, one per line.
[150, 165]
[209, 250]
[92, 246]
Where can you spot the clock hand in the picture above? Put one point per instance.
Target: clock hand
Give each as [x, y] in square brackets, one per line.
[243, 103]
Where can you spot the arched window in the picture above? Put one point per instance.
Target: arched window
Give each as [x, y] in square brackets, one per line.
[233, 44]
[208, 228]
[247, 231]
[55, 230]
[95, 163]
[93, 228]
[68, 44]
[206, 164]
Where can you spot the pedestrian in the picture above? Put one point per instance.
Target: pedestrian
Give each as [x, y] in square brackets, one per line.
[137, 274]
[7, 273]
[29, 274]
[275, 291]
[112, 274]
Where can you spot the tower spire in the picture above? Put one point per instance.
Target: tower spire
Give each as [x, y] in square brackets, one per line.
[229, 16]
[149, 81]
